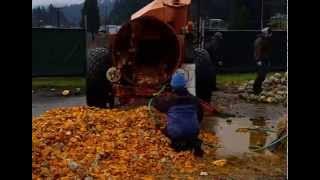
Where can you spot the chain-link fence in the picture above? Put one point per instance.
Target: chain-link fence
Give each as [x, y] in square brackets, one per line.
[62, 52]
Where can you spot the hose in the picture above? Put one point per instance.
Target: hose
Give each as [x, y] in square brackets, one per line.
[273, 143]
[151, 112]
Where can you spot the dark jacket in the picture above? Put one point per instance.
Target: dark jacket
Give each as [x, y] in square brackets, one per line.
[216, 49]
[262, 48]
[184, 114]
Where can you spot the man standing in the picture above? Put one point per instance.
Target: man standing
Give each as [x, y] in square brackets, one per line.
[216, 51]
[262, 52]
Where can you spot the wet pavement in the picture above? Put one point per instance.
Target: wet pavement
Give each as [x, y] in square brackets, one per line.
[42, 103]
[246, 115]
[236, 143]
[232, 104]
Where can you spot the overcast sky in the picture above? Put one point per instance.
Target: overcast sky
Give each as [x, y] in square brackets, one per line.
[54, 2]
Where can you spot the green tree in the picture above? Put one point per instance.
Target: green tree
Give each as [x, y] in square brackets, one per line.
[91, 10]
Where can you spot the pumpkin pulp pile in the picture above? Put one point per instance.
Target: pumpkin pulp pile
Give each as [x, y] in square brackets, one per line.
[91, 143]
[274, 90]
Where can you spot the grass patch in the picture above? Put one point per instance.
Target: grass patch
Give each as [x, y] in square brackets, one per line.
[58, 82]
[238, 78]
[79, 82]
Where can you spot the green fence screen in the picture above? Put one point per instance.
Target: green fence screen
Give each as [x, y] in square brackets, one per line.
[58, 52]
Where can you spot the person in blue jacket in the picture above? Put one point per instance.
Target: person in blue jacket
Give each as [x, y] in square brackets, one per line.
[184, 113]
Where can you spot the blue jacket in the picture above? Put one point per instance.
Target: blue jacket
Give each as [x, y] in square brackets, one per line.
[184, 114]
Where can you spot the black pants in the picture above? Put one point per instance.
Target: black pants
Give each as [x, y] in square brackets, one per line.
[184, 144]
[204, 93]
[261, 76]
[215, 72]
[214, 81]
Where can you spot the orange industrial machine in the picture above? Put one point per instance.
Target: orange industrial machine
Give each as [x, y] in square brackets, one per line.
[142, 55]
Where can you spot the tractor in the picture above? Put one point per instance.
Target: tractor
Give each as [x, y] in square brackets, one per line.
[141, 57]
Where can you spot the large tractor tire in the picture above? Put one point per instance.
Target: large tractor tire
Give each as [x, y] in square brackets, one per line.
[205, 74]
[99, 89]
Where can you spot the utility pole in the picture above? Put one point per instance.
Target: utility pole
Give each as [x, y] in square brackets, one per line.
[261, 21]
[58, 17]
[106, 19]
[199, 23]
[202, 32]
[86, 34]
[281, 15]
[40, 22]
[85, 23]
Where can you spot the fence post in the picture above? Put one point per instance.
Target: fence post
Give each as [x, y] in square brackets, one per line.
[86, 36]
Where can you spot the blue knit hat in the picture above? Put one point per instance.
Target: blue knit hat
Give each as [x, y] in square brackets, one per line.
[178, 81]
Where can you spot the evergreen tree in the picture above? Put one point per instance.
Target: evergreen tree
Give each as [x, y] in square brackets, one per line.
[91, 11]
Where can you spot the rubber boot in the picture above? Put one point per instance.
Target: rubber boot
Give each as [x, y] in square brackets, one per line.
[198, 152]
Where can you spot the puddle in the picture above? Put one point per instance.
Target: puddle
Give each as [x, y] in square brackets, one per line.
[237, 143]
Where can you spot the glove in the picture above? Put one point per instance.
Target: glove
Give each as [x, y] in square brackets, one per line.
[259, 63]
